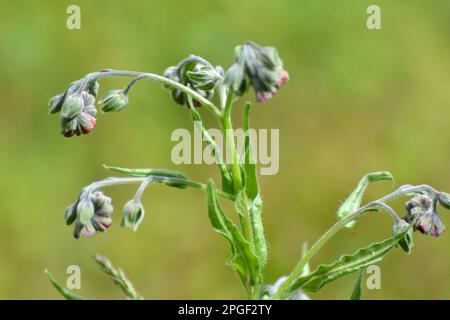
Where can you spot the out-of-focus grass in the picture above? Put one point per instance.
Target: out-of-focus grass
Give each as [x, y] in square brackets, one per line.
[358, 101]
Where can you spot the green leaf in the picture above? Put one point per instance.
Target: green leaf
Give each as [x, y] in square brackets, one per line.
[346, 264]
[63, 291]
[243, 260]
[353, 201]
[254, 201]
[356, 294]
[151, 172]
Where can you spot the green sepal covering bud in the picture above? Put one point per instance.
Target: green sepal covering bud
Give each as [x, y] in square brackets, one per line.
[406, 243]
[93, 87]
[70, 214]
[133, 214]
[205, 77]
[72, 105]
[236, 79]
[85, 211]
[55, 103]
[77, 229]
[114, 101]
[444, 199]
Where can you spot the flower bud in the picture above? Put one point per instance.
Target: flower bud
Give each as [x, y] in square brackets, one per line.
[444, 199]
[93, 214]
[85, 211]
[93, 87]
[70, 214]
[236, 79]
[88, 230]
[201, 78]
[205, 77]
[101, 223]
[421, 210]
[78, 228]
[406, 243]
[133, 214]
[72, 105]
[259, 66]
[114, 101]
[86, 122]
[55, 103]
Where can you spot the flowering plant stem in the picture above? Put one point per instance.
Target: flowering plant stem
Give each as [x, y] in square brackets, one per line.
[145, 75]
[193, 83]
[112, 181]
[380, 203]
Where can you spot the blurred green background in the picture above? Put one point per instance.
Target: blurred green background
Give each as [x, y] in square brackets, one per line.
[357, 101]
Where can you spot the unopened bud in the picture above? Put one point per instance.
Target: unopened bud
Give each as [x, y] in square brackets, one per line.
[133, 214]
[70, 214]
[406, 243]
[55, 103]
[85, 211]
[93, 87]
[114, 101]
[205, 77]
[444, 199]
[72, 105]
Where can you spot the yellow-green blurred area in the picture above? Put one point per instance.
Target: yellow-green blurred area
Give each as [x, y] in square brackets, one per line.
[358, 101]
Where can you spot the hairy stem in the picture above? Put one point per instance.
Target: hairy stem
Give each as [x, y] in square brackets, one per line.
[144, 75]
[230, 143]
[112, 181]
[297, 271]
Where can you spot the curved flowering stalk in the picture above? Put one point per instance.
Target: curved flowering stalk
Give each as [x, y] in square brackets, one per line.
[194, 83]
[421, 215]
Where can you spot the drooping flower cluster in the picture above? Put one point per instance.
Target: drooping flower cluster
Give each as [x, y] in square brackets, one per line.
[77, 109]
[422, 211]
[260, 67]
[91, 213]
[198, 75]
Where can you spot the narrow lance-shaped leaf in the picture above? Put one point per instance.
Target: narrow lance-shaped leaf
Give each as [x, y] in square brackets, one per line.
[324, 274]
[353, 201]
[356, 294]
[253, 198]
[63, 291]
[151, 172]
[243, 260]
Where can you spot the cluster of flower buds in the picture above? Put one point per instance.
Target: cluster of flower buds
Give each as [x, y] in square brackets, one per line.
[133, 214]
[260, 67]
[77, 110]
[91, 213]
[422, 212]
[196, 74]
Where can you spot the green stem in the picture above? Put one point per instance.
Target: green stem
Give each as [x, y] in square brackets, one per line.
[284, 288]
[131, 180]
[230, 143]
[246, 223]
[144, 75]
[297, 271]
[217, 152]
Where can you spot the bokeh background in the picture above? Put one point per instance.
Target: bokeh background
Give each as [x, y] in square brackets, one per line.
[358, 101]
